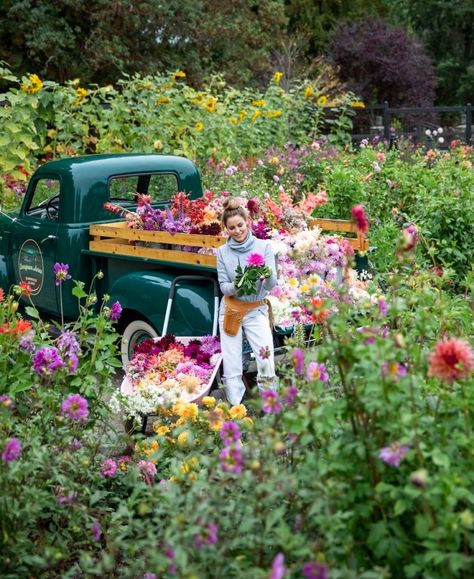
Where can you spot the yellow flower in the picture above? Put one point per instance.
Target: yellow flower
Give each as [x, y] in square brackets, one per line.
[161, 430]
[52, 133]
[177, 408]
[304, 287]
[179, 74]
[238, 411]
[81, 93]
[32, 84]
[322, 100]
[358, 105]
[158, 145]
[308, 92]
[233, 120]
[211, 104]
[293, 282]
[273, 114]
[162, 101]
[255, 116]
[197, 99]
[209, 401]
[182, 439]
[242, 115]
[47, 149]
[277, 77]
[313, 279]
[189, 412]
[224, 406]
[189, 382]
[199, 126]
[216, 419]
[274, 161]
[258, 103]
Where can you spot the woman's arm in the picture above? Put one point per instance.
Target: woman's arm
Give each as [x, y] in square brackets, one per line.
[270, 261]
[225, 283]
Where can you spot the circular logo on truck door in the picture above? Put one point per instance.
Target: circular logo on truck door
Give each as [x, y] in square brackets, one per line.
[31, 266]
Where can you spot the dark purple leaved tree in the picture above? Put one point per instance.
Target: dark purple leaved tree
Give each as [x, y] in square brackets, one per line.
[380, 62]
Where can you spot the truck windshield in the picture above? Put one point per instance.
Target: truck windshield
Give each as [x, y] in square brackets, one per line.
[44, 201]
[160, 186]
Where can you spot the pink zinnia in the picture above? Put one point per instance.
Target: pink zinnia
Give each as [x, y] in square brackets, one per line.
[316, 371]
[358, 214]
[452, 359]
[108, 468]
[255, 260]
[271, 402]
[75, 407]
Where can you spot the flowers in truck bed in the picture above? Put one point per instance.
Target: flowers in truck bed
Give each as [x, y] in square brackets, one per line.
[168, 369]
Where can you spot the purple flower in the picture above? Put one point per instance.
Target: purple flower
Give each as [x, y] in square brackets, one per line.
[72, 363]
[12, 450]
[26, 342]
[297, 359]
[115, 311]
[316, 371]
[148, 471]
[95, 530]
[108, 468]
[394, 453]
[47, 361]
[229, 433]
[209, 535]
[271, 402]
[289, 395]
[67, 343]
[75, 407]
[264, 352]
[255, 260]
[61, 272]
[74, 445]
[149, 575]
[315, 570]
[66, 499]
[6, 401]
[383, 307]
[278, 567]
[231, 459]
[410, 237]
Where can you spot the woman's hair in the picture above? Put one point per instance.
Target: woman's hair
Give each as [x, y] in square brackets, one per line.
[233, 207]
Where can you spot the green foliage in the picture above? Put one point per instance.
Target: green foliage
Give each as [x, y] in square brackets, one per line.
[313, 485]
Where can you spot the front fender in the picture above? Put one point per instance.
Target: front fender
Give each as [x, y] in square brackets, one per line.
[146, 293]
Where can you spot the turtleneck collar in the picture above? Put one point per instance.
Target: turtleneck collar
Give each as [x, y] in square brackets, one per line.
[243, 246]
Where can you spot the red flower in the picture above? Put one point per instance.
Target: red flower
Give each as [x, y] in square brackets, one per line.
[358, 214]
[2, 294]
[25, 288]
[452, 359]
[319, 313]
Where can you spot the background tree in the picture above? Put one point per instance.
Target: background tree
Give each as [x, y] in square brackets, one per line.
[102, 40]
[446, 29]
[380, 62]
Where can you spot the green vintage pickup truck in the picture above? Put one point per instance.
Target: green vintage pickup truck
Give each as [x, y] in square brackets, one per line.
[63, 202]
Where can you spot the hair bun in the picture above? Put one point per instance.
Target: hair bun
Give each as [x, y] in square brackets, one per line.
[232, 203]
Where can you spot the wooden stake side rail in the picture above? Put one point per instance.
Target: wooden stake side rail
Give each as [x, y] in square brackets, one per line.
[117, 238]
[359, 242]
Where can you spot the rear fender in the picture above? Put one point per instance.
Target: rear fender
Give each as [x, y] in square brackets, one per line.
[145, 294]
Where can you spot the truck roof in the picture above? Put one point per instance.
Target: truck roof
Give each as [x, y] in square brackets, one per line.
[87, 177]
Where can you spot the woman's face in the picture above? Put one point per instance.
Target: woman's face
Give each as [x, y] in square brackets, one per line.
[237, 228]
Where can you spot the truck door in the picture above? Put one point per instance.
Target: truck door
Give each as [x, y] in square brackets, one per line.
[34, 241]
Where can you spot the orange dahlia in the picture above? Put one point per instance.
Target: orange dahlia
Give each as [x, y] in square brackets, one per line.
[451, 359]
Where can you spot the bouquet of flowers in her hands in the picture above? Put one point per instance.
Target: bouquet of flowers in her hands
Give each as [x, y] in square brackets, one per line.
[247, 278]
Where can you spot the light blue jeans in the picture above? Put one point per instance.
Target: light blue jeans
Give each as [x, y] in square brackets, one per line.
[259, 335]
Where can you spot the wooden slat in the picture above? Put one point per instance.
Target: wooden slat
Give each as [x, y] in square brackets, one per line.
[122, 231]
[170, 255]
[359, 242]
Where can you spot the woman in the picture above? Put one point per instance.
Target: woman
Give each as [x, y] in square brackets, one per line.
[248, 312]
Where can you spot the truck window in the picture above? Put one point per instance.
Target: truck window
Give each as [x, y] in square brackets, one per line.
[44, 202]
[161, 187]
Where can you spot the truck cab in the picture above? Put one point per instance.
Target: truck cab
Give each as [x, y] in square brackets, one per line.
[64, 197]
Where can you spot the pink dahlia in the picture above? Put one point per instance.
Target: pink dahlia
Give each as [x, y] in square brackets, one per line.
[452, 359]
[255, 260]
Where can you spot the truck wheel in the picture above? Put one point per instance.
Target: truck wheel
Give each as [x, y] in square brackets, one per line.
[133, 334]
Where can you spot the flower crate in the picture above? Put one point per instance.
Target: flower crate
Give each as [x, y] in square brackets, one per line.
[180, 375]
[116, 238]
